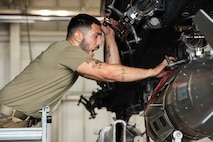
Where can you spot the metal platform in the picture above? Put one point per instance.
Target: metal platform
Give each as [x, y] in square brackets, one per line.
[29, 134]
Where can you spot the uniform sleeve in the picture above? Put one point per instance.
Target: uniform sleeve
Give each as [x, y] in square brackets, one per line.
[72, 57]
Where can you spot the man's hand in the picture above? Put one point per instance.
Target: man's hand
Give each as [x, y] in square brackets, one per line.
[106, 29]
[159, 70]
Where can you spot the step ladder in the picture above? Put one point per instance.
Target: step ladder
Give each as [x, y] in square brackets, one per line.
[28, 133]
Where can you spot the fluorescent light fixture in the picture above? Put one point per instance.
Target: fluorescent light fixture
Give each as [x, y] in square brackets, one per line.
[45, 12]
[61, 13]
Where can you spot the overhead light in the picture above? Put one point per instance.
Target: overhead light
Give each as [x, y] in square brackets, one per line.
[61, 13]
[45, 12]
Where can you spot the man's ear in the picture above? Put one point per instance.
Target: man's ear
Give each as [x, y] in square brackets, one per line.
[78, 36]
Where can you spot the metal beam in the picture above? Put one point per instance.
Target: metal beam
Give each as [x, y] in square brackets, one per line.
[33, 18]
[14, 49]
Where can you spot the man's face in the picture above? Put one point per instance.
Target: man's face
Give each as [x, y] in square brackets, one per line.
[92, 40]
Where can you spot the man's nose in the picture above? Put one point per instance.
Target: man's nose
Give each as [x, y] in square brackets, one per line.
[100, 41]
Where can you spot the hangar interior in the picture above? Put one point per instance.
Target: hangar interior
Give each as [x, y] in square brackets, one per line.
[150, 29]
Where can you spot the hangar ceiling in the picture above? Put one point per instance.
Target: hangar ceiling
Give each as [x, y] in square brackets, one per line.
[42, 11]
[34, 6]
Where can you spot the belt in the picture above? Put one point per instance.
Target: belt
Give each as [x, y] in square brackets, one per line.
[30, 120]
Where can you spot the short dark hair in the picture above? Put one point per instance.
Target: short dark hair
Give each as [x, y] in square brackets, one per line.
[80, 21]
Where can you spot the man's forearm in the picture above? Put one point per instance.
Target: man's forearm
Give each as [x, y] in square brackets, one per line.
[111, 51]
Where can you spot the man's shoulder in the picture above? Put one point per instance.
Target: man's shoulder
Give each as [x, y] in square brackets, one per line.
[60, 43]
